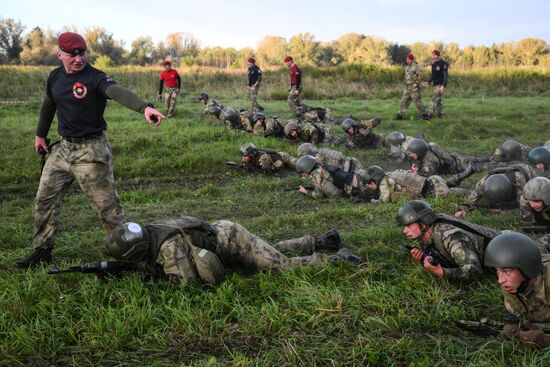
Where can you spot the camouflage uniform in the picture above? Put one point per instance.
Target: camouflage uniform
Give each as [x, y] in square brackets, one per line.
[90, 164]
[270, 161]
[530, 220]
[498, 156]
[272, 126]
[364, 138]
[413, 78]
[326, 184]
[544, 244]
[247, 120]
[518, 174]
[253, 97]
[399, 151]
[294, 101]
[313, 132]
[439, 162]
[213, 108]
[170, 96]
[533, 305]
[400, 183]
[335, 158]
[315, 114]
[229, 242]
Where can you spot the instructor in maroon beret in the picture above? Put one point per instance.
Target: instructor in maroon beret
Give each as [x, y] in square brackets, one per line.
[78, 93]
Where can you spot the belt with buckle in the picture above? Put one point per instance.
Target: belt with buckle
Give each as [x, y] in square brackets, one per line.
[81, 139]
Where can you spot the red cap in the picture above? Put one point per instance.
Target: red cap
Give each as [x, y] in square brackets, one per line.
[288, 58]
[252, 60]
[410, 56]
[71, 43]
[167, 63]
[436, 52]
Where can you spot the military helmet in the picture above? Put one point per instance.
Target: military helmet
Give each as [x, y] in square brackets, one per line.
[414, 211]
[306, 149]
[514, 250]
[396, 138]
[306, 164]
[347, 123]
[374, 173]
[203, 96]
[248, 149]
[230, 114]
[292, 125]
[499, 188]
[418, 146]
[128, 241]
[539, 155]
[259, 116]
[537, 188]
[510, 150]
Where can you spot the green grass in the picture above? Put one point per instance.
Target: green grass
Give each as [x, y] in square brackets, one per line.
[390, 312]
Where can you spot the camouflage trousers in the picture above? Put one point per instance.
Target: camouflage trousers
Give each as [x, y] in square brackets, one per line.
[414, 96]
[90, 164]
[294, 101]
[544, 244]
[436, 107]
[253, 98]
[237, 246]
[170, 95]
[437, 187]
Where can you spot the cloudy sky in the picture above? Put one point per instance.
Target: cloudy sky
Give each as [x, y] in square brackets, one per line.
[239, 23]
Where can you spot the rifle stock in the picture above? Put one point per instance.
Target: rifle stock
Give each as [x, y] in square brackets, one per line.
[101, 269]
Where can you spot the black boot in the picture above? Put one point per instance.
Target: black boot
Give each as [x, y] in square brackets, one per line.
[39, 256]
[399, 116]
[457, 179]
[329, 241]
[426, 117]
[345, 254]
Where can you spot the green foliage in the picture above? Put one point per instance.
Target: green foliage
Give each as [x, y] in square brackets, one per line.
[103, 62]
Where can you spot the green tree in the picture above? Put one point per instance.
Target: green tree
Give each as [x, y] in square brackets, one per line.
[142, 51]
[304, 49]
[271, 50]
[346, 44]
[372, 51]
[481, 56]
[10, 39]
[39, 48]
[328, 55]
[102, 43]
[530, 50]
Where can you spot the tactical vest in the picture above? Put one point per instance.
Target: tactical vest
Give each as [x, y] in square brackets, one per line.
[331, 157]
[409, 184]
[274, 155]
[527, 172]
[340, 178]
[447, 163]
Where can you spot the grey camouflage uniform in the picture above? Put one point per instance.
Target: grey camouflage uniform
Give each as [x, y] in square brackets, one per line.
[399, 152]
[271, 161]
[446, 163]
[213, 108]
[499, 157]
[413, 78]
[310, 132]
[323, 185]
[364, 138]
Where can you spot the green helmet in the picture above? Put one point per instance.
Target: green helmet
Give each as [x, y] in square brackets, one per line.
[306, 149]
[249, 150]
[128, 241]
[230, 114]
[259, 116]
[418, 146]
[514, 250]
[414, 211]
[306, 164]
[292, 125]
[537, 188]
[203, 96]
[499, 188]
[374, 173]
[510, 150]
[396, 138]
[539, 155]
[347, 123]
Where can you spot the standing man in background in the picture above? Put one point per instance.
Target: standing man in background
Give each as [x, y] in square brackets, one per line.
[172, 79]
[295, 86]
[254, 79]
[439, 81]
[413, 79]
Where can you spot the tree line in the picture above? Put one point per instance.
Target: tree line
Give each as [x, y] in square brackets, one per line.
[38, 46]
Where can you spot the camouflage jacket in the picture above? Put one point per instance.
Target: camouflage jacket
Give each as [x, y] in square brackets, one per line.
[400, 183]
[534, 304]
[325, 183]
[315, 133]
[519, 174]
[213, 108]
[335, 158]
[247, 122]
[498, 157]
[399, 152]
[439, 162]
[364, 137]
[268, 160]
[273, 126]
[413, 75]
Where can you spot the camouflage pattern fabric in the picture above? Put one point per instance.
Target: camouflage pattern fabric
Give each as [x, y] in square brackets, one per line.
[323, 185]
[252, 93]
[273, 126]
[294, 101]
[90, 164]
[247, 122]
[170, 95]
[315, 133]
[399, 152]
[411, 92]
[436, 105]
[364, 137]
[335, 158]
[529, 218]
[272, 162]
[238, 247]
[213, 108]
[443, 162]
[499, 157]
[544, 244]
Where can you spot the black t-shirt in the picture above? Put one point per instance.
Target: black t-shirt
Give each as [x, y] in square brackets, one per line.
[80, 100]
[254, 74]
[439, 73]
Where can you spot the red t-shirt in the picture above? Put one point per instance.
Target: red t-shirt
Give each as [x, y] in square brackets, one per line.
[170, 78]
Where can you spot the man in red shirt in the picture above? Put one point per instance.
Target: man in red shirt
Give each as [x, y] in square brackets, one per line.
[295, 86]
[172, 79]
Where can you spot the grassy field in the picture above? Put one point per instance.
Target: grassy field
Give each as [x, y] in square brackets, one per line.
[388, 312]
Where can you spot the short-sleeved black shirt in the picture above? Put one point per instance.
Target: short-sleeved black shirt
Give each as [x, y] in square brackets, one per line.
[80, 100]
[254, 73]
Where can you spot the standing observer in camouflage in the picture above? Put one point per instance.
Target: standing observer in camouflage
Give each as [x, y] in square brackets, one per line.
[457, 245]
[309, 132]
[265, 160]
[524, 276]
[413, 80]
[535, 206]
[254, 79]
[78, 93]
[172, 79]
[359, 135]
[295, 86]
[213, 107]
[187, 249]
[438, 79]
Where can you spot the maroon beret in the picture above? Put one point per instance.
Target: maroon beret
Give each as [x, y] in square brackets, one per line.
[71, 43]
[436, 52]
[288, 58]
[410, 56]
[252, 60]
[167, 63]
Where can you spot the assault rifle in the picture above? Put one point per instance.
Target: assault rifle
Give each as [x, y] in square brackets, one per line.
[431, 260]
[489, 327]
[250, 168]
[101, 269]
[536, 229]
[296, 188]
